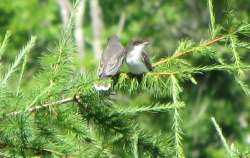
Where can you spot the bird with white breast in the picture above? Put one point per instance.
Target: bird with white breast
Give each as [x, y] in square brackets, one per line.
[137, 60]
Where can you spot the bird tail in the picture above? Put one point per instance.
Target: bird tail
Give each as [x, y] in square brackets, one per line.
[102, 86]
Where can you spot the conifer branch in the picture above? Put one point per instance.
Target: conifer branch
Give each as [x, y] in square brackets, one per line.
[18, 59]
[179, 54]
[238, 64]
[115, 123]
[236, 56]
[4, 155]
[37, 151]
[22, 72]
[25, 136]
[212, 18]
[43, 106]
[39, 96]
[161, 73]
[218, 129]
[4, 43]
[193, 70]
[176, 89]
[142, 141]
[156, 108]
[135, 146]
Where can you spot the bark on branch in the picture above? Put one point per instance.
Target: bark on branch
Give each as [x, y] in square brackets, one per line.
[39, 107]
[179, 54]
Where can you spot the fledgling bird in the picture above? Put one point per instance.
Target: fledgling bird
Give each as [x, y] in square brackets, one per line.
[137, 60]
[112, 58]
[111, 61]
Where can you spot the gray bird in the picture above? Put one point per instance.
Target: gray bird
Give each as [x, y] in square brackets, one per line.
[110, 63]
[112, 58]
[136, 58]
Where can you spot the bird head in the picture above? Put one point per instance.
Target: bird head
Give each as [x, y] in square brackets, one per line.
[113, 39]
[140, 43]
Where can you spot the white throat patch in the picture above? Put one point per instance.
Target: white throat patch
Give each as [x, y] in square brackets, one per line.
[134, 61]
[138, 49]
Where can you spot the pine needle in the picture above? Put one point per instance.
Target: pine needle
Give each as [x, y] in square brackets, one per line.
[17, 61]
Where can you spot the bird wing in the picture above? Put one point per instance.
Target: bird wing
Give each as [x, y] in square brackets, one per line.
[111, 60]
[115, 61]
[147, 62]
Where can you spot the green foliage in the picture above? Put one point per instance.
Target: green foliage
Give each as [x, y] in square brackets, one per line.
[228, 150]
[4, 43]
[50, 109]
[17, 61]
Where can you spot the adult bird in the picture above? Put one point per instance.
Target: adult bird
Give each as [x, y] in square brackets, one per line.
[137, 60]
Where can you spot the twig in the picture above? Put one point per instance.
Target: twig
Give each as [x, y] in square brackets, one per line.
[37, 151]
[178, 54]
[40, 95]
[162, 73]
[36, 108]
[195, 70]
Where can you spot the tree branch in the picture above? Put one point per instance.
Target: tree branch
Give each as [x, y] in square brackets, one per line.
[179, 54]
[39, 107]
[36, 151]
[122, 126]
[162, 73]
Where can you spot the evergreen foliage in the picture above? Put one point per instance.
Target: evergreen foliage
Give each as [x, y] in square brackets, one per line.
[61, 115]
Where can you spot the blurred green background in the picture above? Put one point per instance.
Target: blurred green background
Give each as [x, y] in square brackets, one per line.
[164, 23]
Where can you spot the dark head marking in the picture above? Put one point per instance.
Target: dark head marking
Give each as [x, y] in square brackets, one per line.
[137, 42]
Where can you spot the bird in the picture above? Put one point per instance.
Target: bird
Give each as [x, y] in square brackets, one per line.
[137, 60]
[111, 60]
